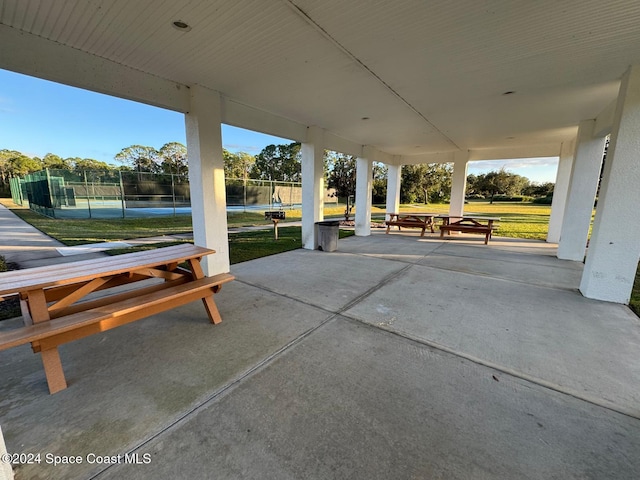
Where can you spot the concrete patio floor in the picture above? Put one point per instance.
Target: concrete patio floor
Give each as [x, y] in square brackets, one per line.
[394, 357]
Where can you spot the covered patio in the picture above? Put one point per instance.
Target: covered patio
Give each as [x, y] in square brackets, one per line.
[394, 357]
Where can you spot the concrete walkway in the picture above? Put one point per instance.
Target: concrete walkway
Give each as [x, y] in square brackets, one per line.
[394, 357]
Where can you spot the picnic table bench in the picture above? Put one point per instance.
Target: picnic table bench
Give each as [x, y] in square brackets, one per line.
[411, 220]
[468, 224]
[56, 310]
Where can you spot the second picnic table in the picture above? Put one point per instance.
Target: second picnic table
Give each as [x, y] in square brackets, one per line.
[412, 220]
[468, 224]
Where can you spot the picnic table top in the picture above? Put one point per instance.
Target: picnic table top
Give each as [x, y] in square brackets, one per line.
[443, 215]
[85, 270]
[416, 214]
[470, 217]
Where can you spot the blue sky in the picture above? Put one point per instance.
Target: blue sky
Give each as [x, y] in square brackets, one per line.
[39, 117]
[539, 170]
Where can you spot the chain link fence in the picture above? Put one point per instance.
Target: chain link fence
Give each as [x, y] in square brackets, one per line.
[116, 193]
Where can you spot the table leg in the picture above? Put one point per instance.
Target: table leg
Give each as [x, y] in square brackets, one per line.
[53, 370]
[36, 304]
[209, 303]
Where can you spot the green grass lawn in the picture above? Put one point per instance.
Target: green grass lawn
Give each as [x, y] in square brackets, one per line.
[77, 232]
[244, 246]
[81, 231]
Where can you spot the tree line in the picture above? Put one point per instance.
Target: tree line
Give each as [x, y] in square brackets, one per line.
[275, 162]
[424, 183]
[431, 183]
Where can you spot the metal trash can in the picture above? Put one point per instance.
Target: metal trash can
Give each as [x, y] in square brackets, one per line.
[328, 232]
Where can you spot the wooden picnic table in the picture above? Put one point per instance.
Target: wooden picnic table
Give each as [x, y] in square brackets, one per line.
[57, 305]
[468, 224]
[411, 220]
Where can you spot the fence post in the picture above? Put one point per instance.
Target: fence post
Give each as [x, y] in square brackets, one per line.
[173, 194]
[244, 194]
[122, 194]
[86, 189]
[53, 210]
[291, 196]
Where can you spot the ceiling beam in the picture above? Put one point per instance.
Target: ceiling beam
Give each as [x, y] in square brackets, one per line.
[243, 116]
[525, 151]
[604, 121]
[35, 56]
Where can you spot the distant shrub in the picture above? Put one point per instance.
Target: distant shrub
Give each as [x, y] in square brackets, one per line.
[9, 308]
[475, 196]
[512, 198]
[543, 200]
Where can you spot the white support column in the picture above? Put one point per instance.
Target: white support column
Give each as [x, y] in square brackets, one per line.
[582, 193]
[458, 183]
[560, 190]
[394, 179]
[614, 249]
[364, 191]
[312, 186]
[206, 178]
[6, 471]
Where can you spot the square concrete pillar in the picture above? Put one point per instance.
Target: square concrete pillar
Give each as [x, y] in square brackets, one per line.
[561, 190]
[394, 179]
[312, 186]
[6, 471]
[585, 174]
[206, 178]
[458, 183]
[364, 192]
[614, 248]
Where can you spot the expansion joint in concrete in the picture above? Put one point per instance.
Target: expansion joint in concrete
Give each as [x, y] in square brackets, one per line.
[382, 283]
[222, 391]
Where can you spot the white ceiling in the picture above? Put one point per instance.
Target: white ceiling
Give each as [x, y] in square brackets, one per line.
[430, 76]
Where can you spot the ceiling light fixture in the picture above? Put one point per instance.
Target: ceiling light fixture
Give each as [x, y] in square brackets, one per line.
[182, 26]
